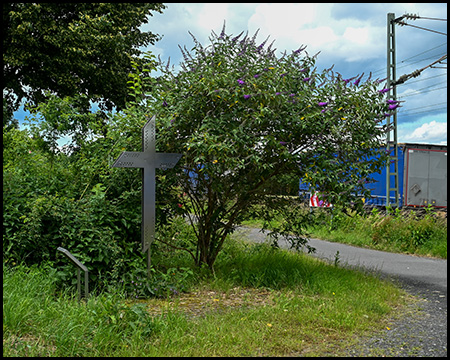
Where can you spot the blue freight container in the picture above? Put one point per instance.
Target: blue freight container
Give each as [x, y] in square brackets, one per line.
[422, 178]
[378, 188]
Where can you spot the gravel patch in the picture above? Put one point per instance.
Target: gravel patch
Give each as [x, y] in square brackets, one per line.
[420, 331]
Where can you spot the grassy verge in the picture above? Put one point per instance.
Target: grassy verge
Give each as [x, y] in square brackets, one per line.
[399, 232]
[259, 302]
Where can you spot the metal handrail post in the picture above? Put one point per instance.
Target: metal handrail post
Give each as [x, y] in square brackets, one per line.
[79, 266]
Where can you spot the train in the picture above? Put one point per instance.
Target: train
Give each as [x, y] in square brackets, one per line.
[422, 180]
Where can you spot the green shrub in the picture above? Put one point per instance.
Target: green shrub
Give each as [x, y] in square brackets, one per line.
[407, 232]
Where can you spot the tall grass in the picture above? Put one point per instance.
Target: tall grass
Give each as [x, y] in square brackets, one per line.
[40, 321]
[308, 307]
[398, 231]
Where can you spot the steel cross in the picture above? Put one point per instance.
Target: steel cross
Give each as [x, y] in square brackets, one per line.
[148, 160]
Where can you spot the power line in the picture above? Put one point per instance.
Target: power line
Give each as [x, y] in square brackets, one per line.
[402, 23]
[427, 87]
[424, 52]
[423, 59]
[419, 93]
[416, 73]
[424, 107]
[383, 70]
[424, 79]
[418, 61]
[414, 17]
[421, 112]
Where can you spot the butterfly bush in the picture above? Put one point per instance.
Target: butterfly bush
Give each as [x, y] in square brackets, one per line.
[242, 115]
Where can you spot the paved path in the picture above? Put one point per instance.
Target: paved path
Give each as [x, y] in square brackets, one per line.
[407, 268]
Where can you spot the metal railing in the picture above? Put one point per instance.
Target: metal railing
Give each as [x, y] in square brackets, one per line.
[79, 266]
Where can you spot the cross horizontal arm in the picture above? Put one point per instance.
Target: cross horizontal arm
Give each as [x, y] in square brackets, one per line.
[166, 160]
[131, 159]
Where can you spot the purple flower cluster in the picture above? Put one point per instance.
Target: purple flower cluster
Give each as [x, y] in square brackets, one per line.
[380, 81]
[393, 104]
[299, 49]
[357, 81]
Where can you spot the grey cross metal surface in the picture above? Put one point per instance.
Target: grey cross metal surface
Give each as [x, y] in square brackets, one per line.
[148, 160]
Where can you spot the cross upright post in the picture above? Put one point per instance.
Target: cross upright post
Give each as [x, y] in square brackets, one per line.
[148, 160]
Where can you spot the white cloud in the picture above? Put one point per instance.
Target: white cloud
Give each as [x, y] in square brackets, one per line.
[292, 25]
[431, 133]
[314, 25]
[316, 38]
[358, 35]
[282, 20]
[212, 15]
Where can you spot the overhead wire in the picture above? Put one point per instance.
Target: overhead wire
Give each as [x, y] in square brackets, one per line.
[427, 106]
[428, 18]
[414, 17]
[419, 93]
[423, 59]
[424, 79]
[402, 23]
[424, 52]
[416, 73]
[429, 111]
[403, 78]
[432, 108]
[428, 87]
[383, 70]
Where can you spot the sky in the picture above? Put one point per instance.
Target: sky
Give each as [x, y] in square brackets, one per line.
[352, 36]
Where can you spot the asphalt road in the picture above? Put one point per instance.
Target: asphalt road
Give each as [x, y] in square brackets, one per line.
[428, 272]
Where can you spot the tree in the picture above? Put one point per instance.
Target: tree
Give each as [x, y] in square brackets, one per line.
[72, 49]
[242, 117]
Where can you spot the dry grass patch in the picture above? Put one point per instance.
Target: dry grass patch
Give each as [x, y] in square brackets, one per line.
[200, 302]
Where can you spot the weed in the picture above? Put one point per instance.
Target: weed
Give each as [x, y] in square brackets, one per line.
[337, 258]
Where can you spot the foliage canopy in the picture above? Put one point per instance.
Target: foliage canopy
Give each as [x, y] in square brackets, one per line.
[71, 49]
